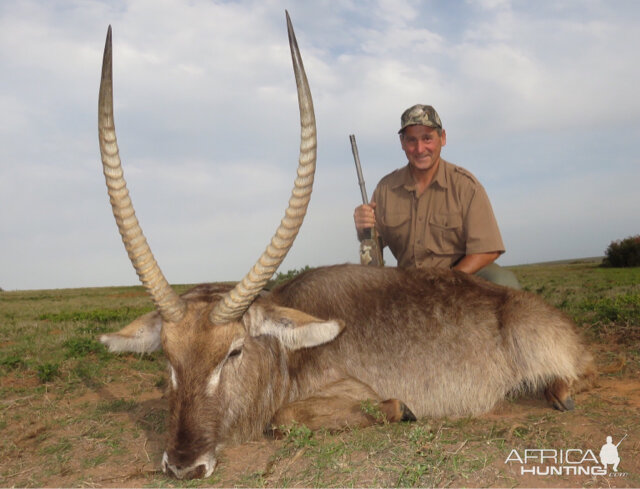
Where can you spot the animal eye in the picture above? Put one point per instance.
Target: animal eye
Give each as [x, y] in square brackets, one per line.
[234, 353]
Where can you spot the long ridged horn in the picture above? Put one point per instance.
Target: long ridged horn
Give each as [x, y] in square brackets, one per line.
[233, 305]
[170, 305]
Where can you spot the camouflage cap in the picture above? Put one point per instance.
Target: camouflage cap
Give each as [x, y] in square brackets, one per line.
[420, 115]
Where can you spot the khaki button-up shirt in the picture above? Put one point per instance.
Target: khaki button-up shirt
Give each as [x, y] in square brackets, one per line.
[450, 219]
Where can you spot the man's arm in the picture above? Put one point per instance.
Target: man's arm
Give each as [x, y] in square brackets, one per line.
[474, 262]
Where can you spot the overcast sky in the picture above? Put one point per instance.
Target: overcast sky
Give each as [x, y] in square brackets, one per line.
[539, 99]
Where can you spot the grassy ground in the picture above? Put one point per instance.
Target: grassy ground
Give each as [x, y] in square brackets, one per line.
[72, 415]
[605, 302]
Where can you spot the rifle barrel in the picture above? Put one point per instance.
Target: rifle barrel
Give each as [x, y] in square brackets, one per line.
[356, 158]
[621, 441]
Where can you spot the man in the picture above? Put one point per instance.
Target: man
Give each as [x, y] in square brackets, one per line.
[609, 454]
[432, 213]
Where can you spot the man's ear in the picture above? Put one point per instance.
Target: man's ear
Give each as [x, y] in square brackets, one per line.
[401, 136]
[295, 329]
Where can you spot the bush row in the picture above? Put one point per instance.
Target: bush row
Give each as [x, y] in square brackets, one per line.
[623, 253]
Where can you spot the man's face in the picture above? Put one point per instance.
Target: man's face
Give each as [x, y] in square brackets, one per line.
[422, 145]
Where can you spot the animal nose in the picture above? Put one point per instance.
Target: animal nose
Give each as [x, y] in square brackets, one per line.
[203, 467]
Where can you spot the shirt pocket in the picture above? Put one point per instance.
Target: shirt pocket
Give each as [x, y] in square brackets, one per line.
[446, 234]
[395, 231]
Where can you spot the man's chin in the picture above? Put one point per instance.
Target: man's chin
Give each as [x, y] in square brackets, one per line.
[423, 165]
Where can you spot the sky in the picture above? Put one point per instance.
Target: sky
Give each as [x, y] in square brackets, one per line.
[539, 100]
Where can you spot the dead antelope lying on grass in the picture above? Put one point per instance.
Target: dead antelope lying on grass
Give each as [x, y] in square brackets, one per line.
[312, 351]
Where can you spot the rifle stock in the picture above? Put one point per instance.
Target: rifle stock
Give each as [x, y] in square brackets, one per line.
[370, 251]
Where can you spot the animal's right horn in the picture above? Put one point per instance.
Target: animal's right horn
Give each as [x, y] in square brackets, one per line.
[233, 305]
[170, 305]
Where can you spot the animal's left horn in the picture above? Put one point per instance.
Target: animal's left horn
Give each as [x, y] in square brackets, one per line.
[235, 303]
[170, 305]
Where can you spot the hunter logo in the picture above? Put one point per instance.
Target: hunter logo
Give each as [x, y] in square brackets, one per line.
[609, 453]
[571, 461]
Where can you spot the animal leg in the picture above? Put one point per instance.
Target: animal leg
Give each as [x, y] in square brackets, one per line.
[343, 404]
[558, 395]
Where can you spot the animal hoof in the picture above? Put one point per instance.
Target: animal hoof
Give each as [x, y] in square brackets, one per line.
[566, 405]
[407, 415]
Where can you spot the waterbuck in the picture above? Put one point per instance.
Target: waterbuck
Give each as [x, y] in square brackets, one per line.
[318, 349]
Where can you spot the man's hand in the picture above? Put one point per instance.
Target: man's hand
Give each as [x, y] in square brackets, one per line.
[365, 218]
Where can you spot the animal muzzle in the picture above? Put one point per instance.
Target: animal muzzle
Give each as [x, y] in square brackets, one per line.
[202, 468]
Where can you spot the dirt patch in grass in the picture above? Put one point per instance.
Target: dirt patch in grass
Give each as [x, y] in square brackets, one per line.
[19, 381]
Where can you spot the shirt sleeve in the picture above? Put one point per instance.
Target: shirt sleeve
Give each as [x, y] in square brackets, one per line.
[482, 232]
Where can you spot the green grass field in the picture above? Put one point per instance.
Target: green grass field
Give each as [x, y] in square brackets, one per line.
[73, 415]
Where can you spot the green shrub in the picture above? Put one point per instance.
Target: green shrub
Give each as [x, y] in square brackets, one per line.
[623, 308]
[11, 362]
[285, 277]
[81, 347]
[299, 435]
[47, 372]
[623, 253]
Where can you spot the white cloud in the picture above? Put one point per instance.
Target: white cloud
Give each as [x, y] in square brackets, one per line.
[537, 100]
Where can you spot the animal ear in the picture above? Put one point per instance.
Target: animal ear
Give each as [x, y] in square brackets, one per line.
[142, 335]
[295, 329]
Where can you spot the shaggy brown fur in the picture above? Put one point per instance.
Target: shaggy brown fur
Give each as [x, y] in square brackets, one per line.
[445, 343]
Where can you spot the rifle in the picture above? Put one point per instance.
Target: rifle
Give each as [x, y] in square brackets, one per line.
[370, 252]
[621, 441]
